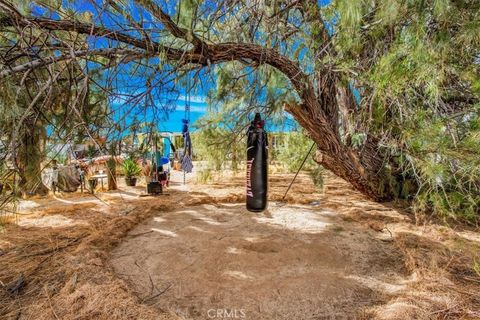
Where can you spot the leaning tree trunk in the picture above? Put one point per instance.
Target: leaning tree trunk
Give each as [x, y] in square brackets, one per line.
[368, 168]
[29, 156]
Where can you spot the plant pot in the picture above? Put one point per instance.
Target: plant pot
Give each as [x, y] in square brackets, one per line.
[131, 181]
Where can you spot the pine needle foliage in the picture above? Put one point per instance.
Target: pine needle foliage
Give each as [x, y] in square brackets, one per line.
[417, 69]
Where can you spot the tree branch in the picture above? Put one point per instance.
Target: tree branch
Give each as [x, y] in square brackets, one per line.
[76, 54]
[171, 26]
[210, 54]
[89, 29]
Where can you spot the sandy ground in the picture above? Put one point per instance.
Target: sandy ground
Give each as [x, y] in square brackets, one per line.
[292, 262]
[198, 254]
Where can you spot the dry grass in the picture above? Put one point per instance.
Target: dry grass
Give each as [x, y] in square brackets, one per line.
[446, 285]
[65, 270]
[67, 275]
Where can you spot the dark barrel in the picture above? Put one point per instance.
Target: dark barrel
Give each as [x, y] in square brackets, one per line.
[257, 170]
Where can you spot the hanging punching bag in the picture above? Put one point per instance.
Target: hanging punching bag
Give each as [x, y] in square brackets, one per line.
[257, 182]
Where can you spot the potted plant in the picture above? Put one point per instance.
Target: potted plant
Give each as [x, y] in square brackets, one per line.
[131, 170]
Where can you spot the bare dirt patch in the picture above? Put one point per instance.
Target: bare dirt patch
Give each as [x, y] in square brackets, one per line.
[294, 263]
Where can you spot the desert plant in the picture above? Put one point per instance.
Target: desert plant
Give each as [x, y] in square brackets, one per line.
[292, 151]
[317, 176]
[205, 175]
[130, 168]
[217, 146]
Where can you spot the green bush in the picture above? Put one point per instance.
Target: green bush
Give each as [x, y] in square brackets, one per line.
[204, 176]
[291, 152]
[446, 163]
[292, 149]
[317, 177]
[218, 148]
[131, 168]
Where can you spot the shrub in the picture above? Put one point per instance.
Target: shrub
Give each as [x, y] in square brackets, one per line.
[131, 168]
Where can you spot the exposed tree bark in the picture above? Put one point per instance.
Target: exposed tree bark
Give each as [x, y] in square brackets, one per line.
[29, 156]
[112, 173]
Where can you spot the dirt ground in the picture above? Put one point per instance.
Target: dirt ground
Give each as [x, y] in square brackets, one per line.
[292, 262]
[198, 254]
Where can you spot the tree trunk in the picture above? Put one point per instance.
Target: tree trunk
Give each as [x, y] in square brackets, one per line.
[367, 167]
[112, 173]
[29, 157]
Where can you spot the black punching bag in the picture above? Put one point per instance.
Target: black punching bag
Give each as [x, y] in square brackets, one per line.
[257, 182]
